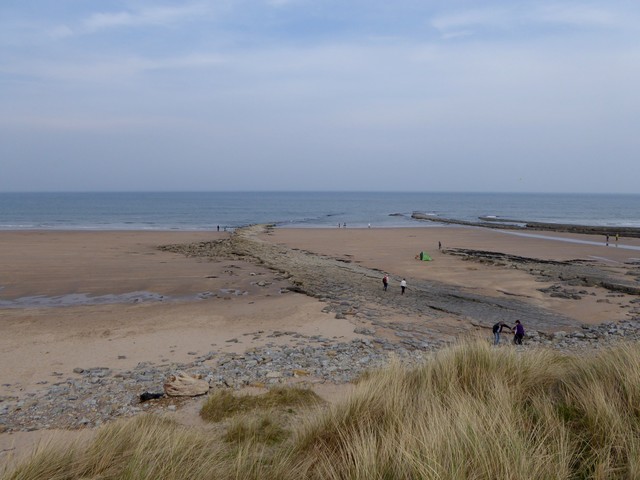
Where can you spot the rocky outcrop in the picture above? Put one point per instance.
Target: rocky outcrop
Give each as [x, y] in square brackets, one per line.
[353, 289]
[573, 272]
[510, 224]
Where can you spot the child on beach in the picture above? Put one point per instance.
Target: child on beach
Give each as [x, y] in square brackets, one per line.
[403, 286]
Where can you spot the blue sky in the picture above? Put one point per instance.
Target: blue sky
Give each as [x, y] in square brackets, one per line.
[320, 95]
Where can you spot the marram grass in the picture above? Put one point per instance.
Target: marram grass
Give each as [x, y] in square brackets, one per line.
[223, 403]
[469, 412]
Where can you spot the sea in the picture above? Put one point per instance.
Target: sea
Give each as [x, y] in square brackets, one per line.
[191, 211]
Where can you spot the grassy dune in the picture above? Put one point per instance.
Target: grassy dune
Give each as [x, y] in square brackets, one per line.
[471, 411]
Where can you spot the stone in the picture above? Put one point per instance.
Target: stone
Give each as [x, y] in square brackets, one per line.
[364, 331]
[184, 385]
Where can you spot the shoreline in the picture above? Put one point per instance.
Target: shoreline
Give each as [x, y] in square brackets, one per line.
[420, 220]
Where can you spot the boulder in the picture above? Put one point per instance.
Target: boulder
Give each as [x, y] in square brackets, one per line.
[184, 385]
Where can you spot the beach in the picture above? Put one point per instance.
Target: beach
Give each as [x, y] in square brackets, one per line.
[91, 319]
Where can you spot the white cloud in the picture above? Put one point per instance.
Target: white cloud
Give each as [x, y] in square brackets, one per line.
[578, 15]
[457, 34]
[488, 17]
[99, 21]
[466, 22]
[84, 123]
[61, 31]
[157, 16]
[280, 3]
[109, 70]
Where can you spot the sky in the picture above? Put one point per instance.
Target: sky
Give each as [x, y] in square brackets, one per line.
[410, 95]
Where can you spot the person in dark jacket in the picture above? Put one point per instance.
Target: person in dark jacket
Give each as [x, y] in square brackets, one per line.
[497, 330]
[518, 333]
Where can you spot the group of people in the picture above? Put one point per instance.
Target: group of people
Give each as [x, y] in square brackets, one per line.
[517, 329]
[617, 237]
[385, 284]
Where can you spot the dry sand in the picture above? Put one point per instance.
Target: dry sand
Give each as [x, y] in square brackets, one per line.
[40, 342]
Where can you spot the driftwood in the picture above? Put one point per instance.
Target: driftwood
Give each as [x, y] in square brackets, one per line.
[184, 385]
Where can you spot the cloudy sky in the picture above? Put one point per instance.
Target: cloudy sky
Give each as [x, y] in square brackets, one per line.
[416, 95]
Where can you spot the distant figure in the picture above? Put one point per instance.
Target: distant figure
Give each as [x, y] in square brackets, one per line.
[617, 238]
[338, 224]
[403, 286]
[369, 226]
[497, 330]
[607, 240]
[518, 333]
[439, 246]
[385, 282]
[344, 225]
[218, 227]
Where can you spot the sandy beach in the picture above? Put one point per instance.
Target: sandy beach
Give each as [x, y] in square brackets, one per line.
[76, 301]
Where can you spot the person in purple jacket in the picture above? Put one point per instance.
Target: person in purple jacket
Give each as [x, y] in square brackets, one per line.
[518, 333]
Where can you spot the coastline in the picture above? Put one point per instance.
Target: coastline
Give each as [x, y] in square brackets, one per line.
[252, 307]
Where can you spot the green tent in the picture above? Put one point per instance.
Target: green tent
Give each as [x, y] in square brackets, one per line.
[424, 256]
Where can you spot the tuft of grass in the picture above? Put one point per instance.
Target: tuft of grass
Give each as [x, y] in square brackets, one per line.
[141, 448]
[470, 412]
[256, 429]
[223, 403]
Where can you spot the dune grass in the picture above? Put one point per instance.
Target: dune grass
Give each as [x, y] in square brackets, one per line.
[471, 411]
[263, 428]
[223, 403]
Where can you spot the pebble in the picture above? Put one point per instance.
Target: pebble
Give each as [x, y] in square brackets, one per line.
[98, 397]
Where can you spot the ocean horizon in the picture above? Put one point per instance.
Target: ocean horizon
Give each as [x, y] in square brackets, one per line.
[229, 210]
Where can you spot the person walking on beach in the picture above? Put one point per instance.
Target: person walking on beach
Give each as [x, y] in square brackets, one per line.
[439, 245]
[497, 330]
[385, 282]
[403, 286]
[519, 333]
[607, 240]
